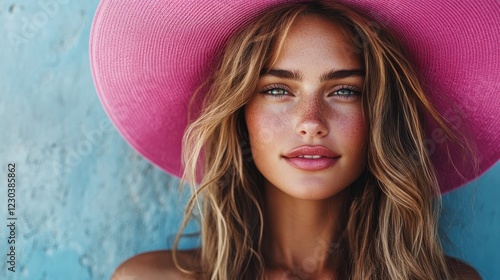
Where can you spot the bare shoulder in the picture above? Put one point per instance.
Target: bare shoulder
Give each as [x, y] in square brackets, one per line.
[460, 270]
[157, 265]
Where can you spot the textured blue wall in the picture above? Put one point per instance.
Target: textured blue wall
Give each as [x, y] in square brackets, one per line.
[85, 200]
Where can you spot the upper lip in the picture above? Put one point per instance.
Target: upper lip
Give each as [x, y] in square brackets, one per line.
[311, 150]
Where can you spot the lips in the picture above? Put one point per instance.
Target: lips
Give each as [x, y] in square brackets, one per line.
[311, 158]
[311, 152]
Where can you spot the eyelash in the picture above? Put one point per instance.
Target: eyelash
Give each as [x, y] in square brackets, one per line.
[267, 89]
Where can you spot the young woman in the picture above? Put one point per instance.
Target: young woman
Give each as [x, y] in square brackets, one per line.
[314, 163]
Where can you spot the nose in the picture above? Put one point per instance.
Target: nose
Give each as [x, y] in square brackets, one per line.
[312, 118]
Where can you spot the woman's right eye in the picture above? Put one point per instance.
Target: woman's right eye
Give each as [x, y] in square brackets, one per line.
[274, 92]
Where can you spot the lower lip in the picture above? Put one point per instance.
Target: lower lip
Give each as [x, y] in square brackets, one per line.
[310, 164]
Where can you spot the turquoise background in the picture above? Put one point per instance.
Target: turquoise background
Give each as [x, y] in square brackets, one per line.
[85, 200]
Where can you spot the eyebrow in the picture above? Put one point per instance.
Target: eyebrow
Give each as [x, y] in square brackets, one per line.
[297, 75]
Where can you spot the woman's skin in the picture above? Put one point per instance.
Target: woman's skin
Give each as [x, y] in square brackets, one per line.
[320, 106]
[311, 97]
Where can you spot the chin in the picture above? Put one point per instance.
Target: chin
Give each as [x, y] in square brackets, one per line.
[311, 189]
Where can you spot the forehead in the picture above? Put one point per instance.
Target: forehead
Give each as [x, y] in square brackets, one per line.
[314, 38]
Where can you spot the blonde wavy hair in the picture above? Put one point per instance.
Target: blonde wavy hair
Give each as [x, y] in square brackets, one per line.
[391, 226]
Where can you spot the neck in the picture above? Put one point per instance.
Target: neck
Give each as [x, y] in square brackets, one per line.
[300, 236]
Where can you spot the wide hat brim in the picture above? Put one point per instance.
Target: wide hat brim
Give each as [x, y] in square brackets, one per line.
[148, 56]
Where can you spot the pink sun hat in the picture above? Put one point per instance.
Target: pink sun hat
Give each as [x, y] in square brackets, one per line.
[149, 56]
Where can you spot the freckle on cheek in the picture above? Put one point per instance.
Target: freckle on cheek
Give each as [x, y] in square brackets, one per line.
[265, 127]
[353, 127]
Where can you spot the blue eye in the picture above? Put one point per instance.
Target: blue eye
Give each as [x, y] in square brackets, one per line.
[346, 92]
[275, 91]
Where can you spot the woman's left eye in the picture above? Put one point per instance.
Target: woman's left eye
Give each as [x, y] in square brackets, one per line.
[346, 92]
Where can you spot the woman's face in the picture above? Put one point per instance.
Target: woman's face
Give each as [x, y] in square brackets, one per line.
[305, 120]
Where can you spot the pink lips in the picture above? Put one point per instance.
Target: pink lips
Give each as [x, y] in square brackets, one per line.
[311, 158]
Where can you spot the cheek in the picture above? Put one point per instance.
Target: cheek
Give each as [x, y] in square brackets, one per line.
[255, 124]
[354, 130]
[264, 126]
